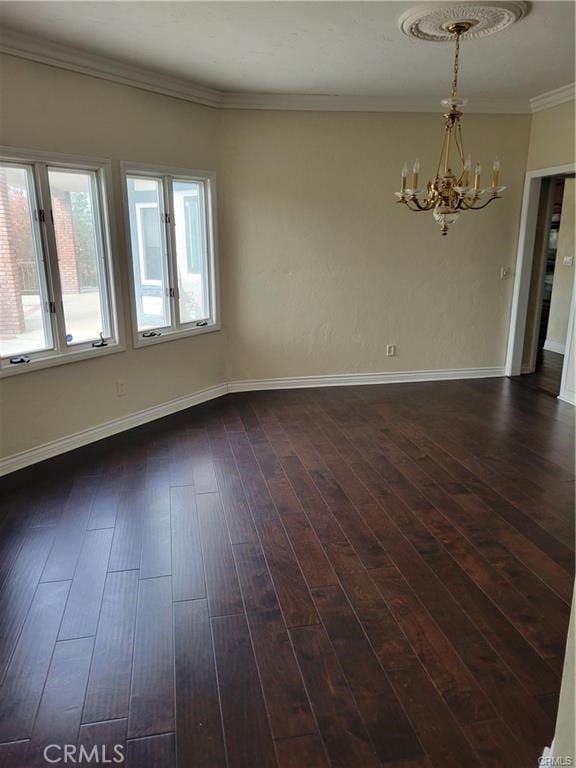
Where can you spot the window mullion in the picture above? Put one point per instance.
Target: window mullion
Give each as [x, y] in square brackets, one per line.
[171, 252]
[40, 258]
[103, 264]
[209, 245]
[51, 256]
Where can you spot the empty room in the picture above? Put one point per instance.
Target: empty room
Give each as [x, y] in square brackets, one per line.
[287, 384]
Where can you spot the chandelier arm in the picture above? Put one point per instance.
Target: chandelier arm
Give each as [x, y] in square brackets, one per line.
[414, 205]
[443, 149]
[428, 205]
[473, 207]
[447, 155]
[460, 142]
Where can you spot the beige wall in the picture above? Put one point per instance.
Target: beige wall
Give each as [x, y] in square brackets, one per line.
[323, 268]
[563, 273]
[51, 109]
[552, 137]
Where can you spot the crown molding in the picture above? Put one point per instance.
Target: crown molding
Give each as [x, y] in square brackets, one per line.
[553, 98]
[45, 52]
[340, 103]
[64, 57]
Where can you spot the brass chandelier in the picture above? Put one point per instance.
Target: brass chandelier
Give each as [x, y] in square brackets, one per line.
[449, 194]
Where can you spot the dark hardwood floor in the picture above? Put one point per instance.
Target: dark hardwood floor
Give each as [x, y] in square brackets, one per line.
[548, 373]
[347, 577]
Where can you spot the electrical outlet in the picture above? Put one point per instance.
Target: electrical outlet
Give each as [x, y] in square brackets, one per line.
[390, 350]
[120, 388]
[505, 273]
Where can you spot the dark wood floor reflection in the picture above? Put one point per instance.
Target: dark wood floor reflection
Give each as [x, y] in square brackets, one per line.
[346, 577]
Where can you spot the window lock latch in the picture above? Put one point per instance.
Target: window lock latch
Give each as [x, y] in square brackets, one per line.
[201, 323]
[51, 307]
[101, 343]
[19, 359]
[150, 334]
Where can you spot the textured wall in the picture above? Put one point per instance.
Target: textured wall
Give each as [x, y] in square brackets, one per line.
[323, 269]
[552, 137]
[50, 109]
[320, 268]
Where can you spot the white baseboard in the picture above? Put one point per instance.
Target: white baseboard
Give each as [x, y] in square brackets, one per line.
[63, 445]
[355, 379]
[527, 368]
[554, 346]
[69, 443]
[547, 757]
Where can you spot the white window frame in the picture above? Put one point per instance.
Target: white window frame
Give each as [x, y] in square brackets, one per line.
[62, 353]
[167, 175]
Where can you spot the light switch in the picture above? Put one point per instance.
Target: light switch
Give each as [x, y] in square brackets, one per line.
[568, 261]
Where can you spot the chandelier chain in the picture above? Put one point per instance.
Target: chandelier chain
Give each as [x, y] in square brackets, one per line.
[456, 63]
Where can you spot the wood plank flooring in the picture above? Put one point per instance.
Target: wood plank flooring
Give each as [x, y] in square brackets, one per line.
[346, 577]
[547, 375]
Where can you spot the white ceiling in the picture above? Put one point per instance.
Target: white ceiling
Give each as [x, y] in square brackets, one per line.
[351, 50]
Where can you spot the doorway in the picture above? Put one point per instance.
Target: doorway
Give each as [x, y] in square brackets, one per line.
[551, 284]
[543, 303]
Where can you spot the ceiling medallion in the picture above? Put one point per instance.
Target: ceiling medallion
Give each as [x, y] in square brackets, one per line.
[452, 191]
[432, 21]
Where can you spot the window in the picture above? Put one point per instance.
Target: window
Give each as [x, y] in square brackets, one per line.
[148, 247]
[170, 217]
[25, 325]
[56, 297]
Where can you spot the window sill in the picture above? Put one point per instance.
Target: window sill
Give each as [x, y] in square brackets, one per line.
[54, 359]
[140, 342]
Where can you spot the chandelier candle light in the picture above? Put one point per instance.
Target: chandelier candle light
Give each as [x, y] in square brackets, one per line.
[449, 194]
